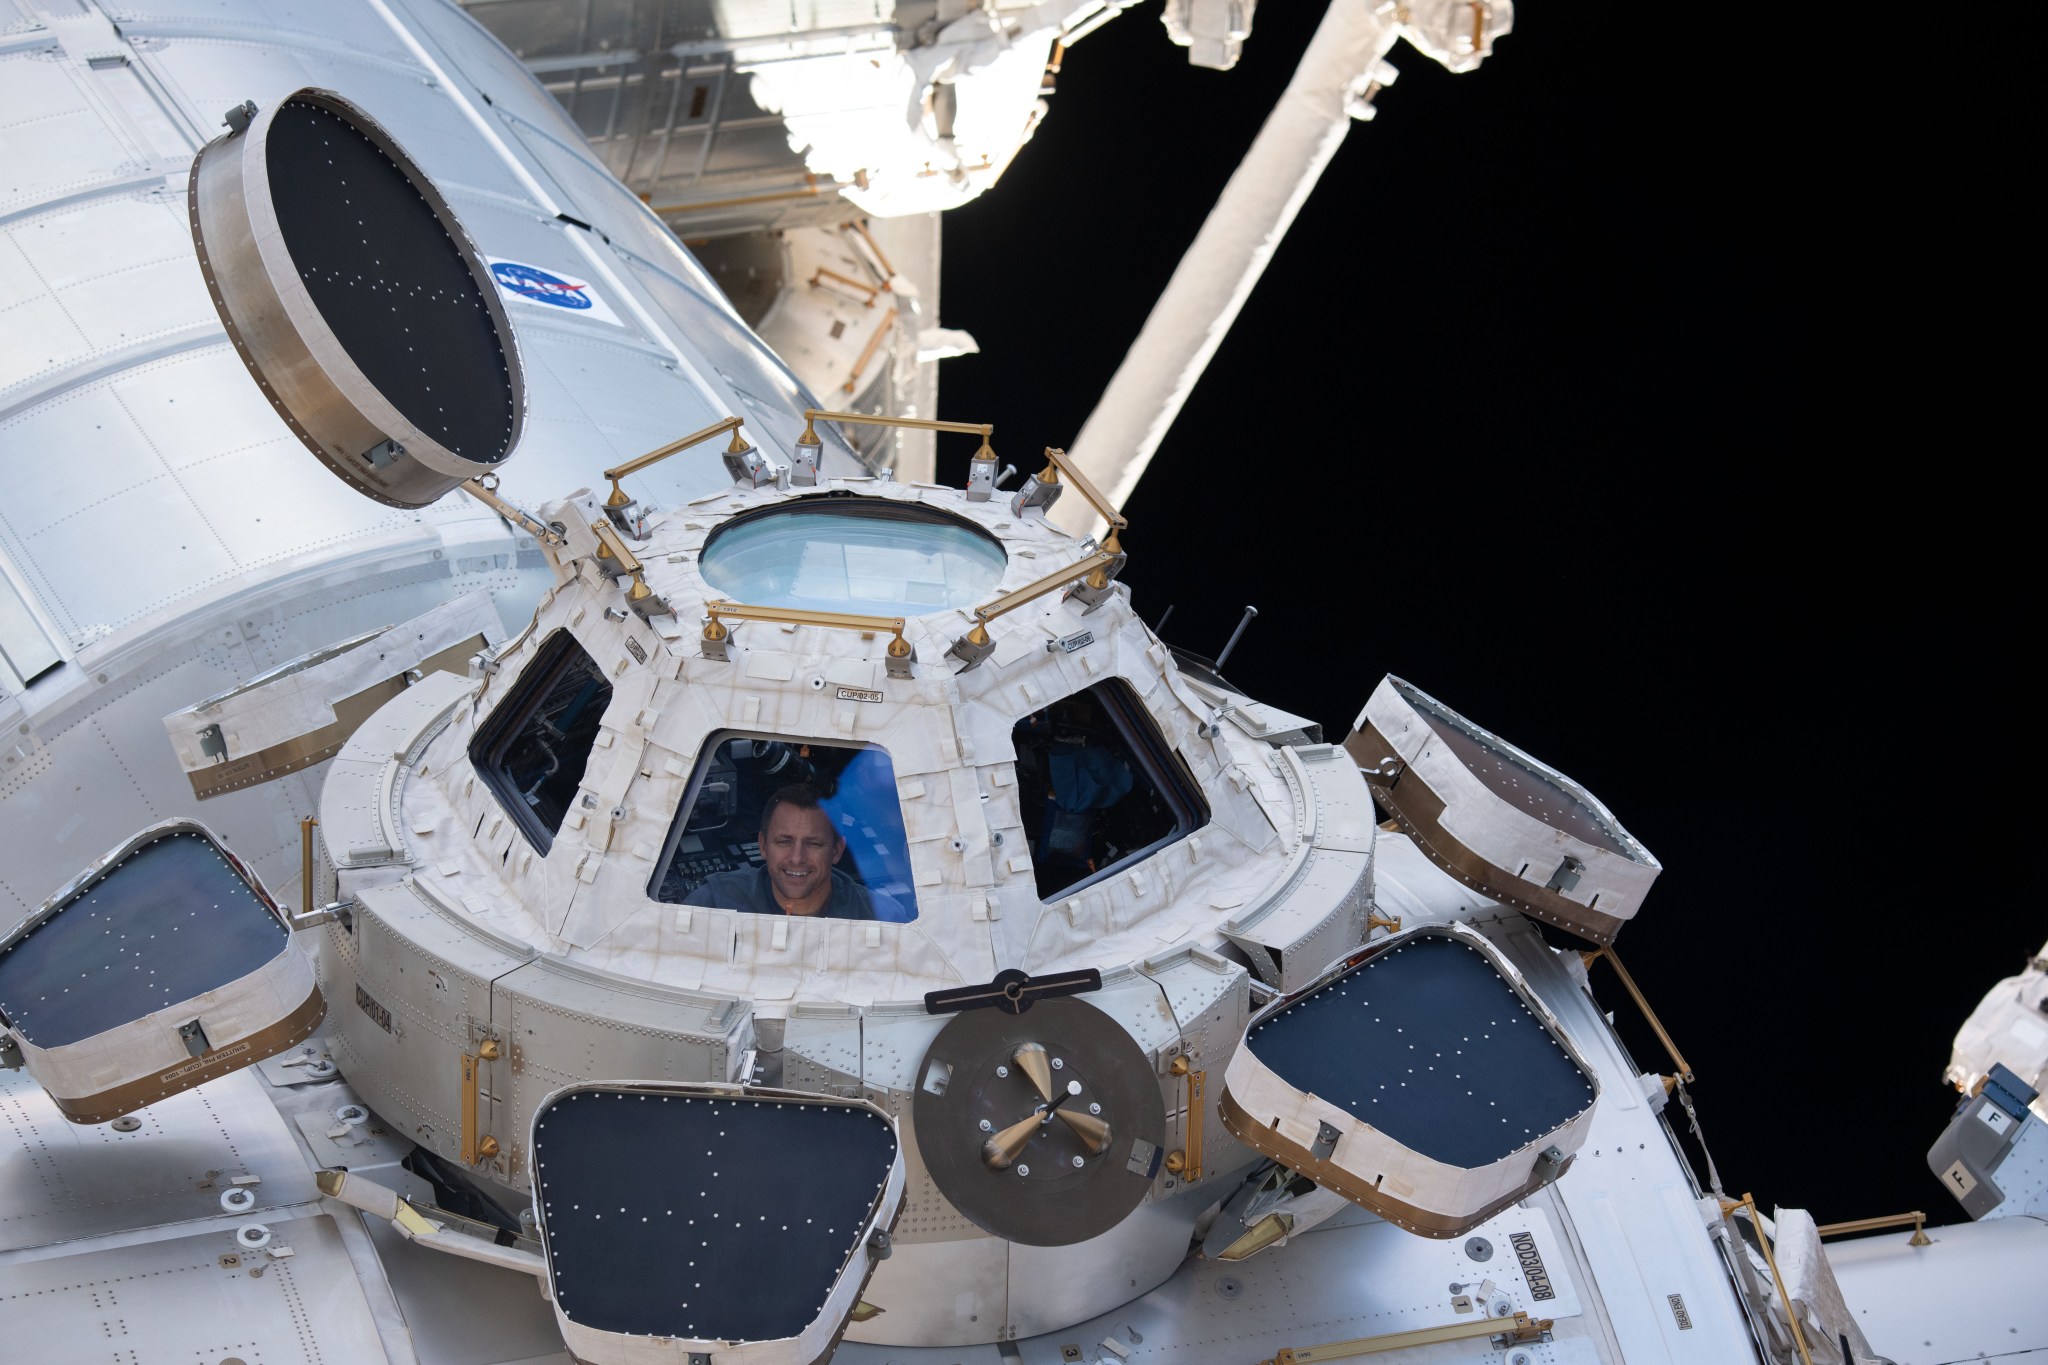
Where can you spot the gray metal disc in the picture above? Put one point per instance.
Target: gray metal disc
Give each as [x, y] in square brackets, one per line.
[1043, 1198]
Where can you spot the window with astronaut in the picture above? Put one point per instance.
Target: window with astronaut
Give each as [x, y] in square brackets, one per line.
[534, 747]
[777, 825]
[1099, 788]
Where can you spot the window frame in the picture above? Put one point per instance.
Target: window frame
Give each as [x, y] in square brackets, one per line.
[487, 747]
[1156, 757]
[700, 770]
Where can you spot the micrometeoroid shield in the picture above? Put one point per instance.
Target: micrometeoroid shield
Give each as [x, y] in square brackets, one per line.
[728, 1222]
[359, 305]
[161, 966]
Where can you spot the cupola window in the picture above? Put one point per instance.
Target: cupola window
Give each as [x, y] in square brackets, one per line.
[780, 826]
[1099, 787]
[533, 749]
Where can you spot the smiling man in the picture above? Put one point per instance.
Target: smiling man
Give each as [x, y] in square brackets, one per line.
[799, 874]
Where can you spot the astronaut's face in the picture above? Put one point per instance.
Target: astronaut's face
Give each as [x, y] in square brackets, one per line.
[800, 847]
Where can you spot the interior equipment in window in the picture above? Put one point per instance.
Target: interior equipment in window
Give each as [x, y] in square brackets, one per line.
[1099, 787]
[533, 749]
[719, 826]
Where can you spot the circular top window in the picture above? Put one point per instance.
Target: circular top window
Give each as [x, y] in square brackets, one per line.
[862, 555]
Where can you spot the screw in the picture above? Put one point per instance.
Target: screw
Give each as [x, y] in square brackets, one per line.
[1002, 1071]
[1079, 1162]
[987, 1127]
[1094, 1108]
[1023, 1170]
[1058, 1065]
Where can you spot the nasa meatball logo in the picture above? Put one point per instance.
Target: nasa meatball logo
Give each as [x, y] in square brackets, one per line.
[541, 287]
[519, 282]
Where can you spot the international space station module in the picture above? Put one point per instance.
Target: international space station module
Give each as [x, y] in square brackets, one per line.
[828, 921]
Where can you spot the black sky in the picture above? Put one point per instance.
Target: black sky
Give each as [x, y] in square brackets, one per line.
[1522, 412]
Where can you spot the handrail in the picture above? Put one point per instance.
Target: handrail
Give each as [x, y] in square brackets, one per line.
[1791, 1314]
[612, 546]
[899, 648]
[1890, 1220]
[618, 496]
[1010, 601]
[1649, 1015]
[982, 429]
[1057, 459]
[867, 353]
[1519, 1329]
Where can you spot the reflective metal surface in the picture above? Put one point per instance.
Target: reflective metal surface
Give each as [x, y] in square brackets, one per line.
[60, 1182]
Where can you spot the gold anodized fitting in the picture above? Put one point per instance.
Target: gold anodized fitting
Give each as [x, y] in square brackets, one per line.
[639, 592]
[714, 629]
[899, 648]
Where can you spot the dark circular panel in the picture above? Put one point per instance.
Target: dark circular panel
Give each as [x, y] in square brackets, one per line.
[359, 305]
[390, 281]
[1052, 1190]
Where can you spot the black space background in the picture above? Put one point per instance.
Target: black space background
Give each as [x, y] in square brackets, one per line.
[1526, 410]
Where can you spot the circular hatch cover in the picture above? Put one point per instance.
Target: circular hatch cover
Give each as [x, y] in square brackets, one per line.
[1046, 1127]
[356, 300]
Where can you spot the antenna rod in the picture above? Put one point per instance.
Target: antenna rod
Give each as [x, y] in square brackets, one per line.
[1242, 622]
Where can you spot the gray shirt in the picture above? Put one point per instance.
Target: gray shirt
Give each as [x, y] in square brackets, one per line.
[749, 889]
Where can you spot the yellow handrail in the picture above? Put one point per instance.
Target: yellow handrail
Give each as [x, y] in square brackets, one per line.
[640, 462]
[1890, 1220]
[1649, 1015]
[982, 429]
[899, 648]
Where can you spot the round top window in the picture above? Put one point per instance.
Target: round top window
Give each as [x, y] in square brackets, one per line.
[863, 555]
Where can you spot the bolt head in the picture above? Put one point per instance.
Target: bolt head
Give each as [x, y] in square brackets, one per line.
[1002, 1071]
[1094, 1108]
[987, 1127]
[1023, 1170]
[1079, 1162]
[1058, 1065]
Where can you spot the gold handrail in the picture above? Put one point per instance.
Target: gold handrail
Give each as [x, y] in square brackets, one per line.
[1010, 601]
[862, 228]
[1521, 1328]
[1890, 1220]
[306, 824]
[611, 545]
[1756, 1221]
[982, 429]
[870, 290]
[1057, 459]
[640, 462]
[899, 648]
[867, 353]
[1649, 1015]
